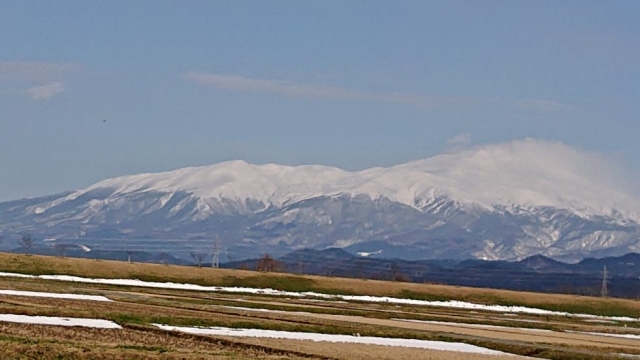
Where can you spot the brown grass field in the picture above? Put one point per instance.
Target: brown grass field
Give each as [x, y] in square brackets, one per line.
[135, 308]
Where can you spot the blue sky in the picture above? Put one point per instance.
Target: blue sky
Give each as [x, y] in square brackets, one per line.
[352, 84]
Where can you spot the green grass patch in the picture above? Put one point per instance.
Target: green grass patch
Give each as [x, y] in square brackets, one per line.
[284, 283]
[602, 307]
[126, 318]
[414, 295]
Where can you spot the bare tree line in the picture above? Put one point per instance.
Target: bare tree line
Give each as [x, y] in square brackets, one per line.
[26, 241]
[198, 257]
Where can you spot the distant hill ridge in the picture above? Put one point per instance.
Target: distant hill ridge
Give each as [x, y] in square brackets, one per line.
[535, 273]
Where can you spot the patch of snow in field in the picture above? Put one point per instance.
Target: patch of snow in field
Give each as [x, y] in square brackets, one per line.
[360, 298]
[272, 334]
[467, 325]
[62, 321]
[523, 320]
[625, 336]
[471, 306]
[24, 276]
[249, 309]
[478, 326]
[54, 295]
[600, 321]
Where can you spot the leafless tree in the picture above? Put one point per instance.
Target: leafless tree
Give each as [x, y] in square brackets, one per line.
[164, 258]
[61, 249]
[396, 275]
[198, 258]
[267, 264]
[360, 268]
[27, 242]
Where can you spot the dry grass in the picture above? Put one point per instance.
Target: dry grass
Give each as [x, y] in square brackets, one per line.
[135, 308]
[19, 341]
[142, 310]
[34, 264]
[365, 352]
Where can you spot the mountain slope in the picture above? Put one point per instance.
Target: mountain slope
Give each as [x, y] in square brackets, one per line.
[504, 201]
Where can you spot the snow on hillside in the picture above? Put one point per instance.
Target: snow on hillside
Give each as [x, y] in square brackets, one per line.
[518, 175]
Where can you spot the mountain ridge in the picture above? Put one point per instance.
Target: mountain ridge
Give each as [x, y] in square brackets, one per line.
[500, 201]
[525, 173]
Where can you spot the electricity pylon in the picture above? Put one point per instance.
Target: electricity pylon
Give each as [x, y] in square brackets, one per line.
[603, 291]
[216, 253]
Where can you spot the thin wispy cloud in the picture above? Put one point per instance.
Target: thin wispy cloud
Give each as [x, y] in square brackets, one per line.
[45, 92]
[233, 82]
[240, 83]
[459, 142]
[537, 104]
[34, 70]
[42, 80]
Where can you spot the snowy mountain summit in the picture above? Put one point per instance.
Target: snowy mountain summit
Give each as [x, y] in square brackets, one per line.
[519, 174]
[501, 201]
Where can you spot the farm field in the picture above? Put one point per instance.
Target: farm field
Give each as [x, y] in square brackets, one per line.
[139, 310]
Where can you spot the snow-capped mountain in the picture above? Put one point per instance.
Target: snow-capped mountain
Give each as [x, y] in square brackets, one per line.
[502, 201]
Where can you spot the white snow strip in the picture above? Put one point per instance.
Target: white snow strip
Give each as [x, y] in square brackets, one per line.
[272, 334]
[252, 309]
[467, 325]
[54, 295]
[268, 311]
[600, 321]
[625, 336]
[522, 320]
[62, 321]
[24, 276]
[360, 298]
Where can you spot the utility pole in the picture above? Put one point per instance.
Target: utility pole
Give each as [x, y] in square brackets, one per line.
[216, 253]
[603, 291]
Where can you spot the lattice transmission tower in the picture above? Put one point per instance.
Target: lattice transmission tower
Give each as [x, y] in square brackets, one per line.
[604, 292]
[216, 253]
